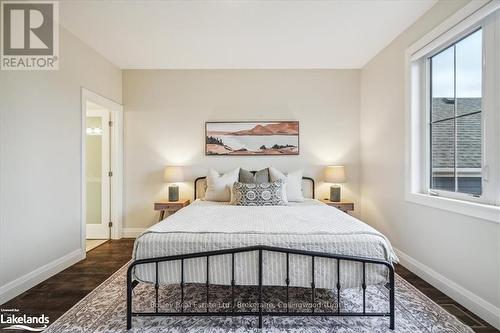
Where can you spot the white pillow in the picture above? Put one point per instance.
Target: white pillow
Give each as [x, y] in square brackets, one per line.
[219, 186]
[293, 183]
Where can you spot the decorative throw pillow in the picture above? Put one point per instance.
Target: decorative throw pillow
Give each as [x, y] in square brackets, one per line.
[264, 194]
[219, 186]
[293, 183]
[261, 176]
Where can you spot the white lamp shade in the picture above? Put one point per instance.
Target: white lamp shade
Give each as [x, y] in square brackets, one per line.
[173, 174]
[335, 174]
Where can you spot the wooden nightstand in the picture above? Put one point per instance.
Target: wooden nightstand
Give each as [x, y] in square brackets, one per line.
[343, 206]
[170, 206]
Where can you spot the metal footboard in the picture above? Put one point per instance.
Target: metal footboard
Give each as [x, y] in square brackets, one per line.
[131, 283]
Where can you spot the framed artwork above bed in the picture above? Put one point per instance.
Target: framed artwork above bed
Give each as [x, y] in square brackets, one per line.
[252, 138]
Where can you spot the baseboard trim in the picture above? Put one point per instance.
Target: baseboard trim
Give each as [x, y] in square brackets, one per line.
[132, 232]
[27, 281]
[471, 301]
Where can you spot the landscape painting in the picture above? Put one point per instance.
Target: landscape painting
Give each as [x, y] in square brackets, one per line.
[252, 138]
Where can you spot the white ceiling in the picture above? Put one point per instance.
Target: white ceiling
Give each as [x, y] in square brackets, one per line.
[240, 34]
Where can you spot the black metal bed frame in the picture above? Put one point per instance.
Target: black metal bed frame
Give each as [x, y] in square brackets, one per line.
[131, 283]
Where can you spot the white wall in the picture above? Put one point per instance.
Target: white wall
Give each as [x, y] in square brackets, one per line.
[166, 111]
[40, 162]
[462, 252]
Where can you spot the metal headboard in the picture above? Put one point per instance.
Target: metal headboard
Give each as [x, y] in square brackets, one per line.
[303, 178]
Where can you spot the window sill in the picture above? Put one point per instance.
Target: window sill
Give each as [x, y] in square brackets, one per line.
[477, 210]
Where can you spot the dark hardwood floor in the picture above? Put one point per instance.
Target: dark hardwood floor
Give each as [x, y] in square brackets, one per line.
[58, 294]
[464, 315]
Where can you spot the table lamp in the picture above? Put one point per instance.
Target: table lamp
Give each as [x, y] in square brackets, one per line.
[173, 174]
[335, 174]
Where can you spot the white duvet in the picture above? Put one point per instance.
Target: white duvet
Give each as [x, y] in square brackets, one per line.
[311, 225]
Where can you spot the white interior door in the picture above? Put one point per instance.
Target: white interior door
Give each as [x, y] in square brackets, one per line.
[97, 168]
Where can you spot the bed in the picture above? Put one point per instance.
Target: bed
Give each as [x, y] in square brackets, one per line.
[307, 244]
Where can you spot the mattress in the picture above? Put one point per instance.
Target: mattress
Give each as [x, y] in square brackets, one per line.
[309, 225]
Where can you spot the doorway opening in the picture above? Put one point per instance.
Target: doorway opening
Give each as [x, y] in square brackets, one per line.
[98, 172]
[102, 161]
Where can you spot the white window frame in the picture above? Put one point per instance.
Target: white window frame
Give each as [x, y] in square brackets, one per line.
[417, 182]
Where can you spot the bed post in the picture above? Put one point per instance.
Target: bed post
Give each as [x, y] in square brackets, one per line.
[260, 288]
[391, 299]
[129, 297]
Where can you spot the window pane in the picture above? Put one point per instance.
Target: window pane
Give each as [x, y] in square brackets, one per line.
[443, 84]
[456, 123]
[469, 73]
[469, 154]
[443, 155]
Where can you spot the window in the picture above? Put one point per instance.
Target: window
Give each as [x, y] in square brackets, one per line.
[453, 122]
[455, 117]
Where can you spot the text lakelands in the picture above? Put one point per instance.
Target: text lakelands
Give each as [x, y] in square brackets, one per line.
[24, 319]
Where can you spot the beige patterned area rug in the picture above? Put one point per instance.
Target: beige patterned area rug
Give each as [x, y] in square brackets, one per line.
[103, 310]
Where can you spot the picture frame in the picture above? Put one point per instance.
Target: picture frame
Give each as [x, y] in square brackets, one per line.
[252, 138]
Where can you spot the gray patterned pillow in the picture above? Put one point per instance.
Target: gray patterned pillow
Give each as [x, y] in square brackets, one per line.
[264, 194]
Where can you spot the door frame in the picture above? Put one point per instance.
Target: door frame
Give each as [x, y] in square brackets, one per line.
[116, 161]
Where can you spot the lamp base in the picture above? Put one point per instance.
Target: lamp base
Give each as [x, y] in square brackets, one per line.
[335, 193]
[173, 193]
